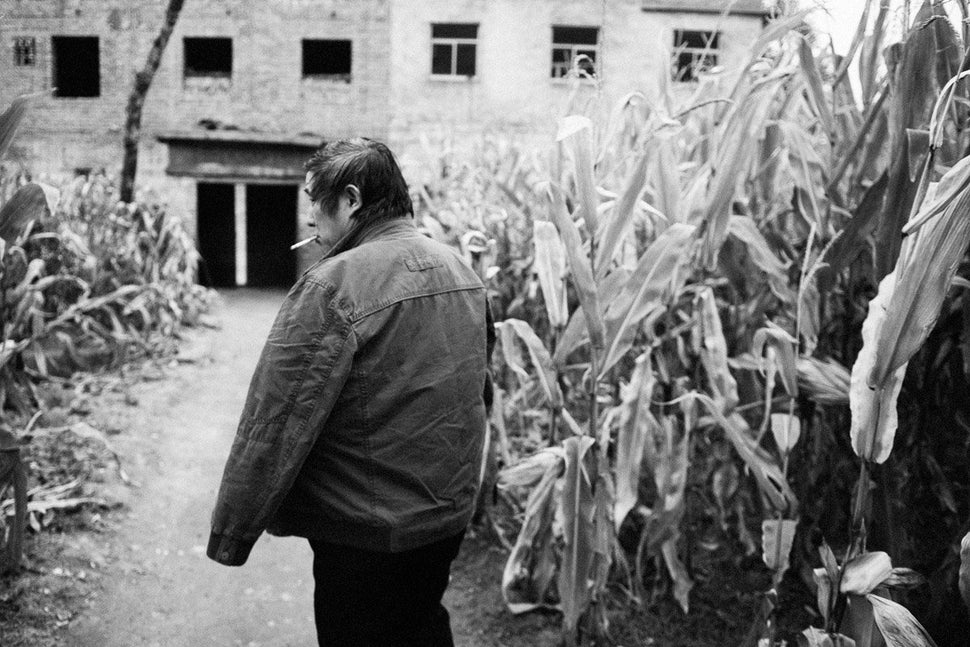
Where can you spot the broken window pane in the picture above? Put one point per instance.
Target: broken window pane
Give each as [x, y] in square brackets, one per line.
[76, 64]
[24, 51]
[327, 58]
[208, 57]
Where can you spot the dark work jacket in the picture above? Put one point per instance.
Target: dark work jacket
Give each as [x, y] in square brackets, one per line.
[365, 419]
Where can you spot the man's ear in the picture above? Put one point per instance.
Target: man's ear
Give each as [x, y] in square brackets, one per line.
[352, 193]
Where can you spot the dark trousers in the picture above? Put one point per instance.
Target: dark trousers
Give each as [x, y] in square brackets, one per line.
[364, 598]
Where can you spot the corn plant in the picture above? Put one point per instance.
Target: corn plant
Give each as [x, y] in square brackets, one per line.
[734, 226]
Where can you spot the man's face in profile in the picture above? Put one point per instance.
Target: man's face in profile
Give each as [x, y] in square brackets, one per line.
[332, 225]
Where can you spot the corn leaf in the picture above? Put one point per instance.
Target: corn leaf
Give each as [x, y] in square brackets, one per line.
[783, 344]
[577, 132]
[815, 637]
[713, 350]
[746, 231]
[631, 438]
[848, 243]
[665, 179]
[923, 277]
[581, 272]
[678, 573]
[538, 354]
[550, 265]
[575, 333]
[577, 511]
[777, 537]
[915, 84]
[786, 429]
[865, 572]
[529, 471]
[811, 74]
[29, 204]
[897, 625]
[659, 273]
[10, 121]
[965, 569]
[765, 470]
[874, 418]
[621, 218]
[526, 579]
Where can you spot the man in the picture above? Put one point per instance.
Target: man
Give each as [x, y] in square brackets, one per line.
[363, 428]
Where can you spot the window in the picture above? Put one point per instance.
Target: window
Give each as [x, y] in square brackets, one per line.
[694, 52]
[76, 65]
[453, 49]
[570, 42]
[327, 59]
[208, 57]
[24, 51]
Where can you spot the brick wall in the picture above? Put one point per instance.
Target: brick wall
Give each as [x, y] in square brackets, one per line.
[265, 93]
[513, 90]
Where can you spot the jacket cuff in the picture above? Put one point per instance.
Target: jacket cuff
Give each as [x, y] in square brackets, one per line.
[229, 551]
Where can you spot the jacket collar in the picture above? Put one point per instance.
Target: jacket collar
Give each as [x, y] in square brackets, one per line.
[360, 234]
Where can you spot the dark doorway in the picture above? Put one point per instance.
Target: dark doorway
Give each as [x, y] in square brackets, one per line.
[270, 230]
[215, 206]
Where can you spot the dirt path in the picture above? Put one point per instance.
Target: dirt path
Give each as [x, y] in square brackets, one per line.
[157, 587]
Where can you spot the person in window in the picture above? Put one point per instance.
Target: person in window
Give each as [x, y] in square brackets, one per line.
[364, 426]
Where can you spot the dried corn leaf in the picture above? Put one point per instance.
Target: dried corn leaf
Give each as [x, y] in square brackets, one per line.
[526, 579]
[632, 435]
[678, 573]
[786, 429]
[713, 351]
[577, 512]
[777, 537]
[897, 625]
[874, 418]
[865, 572]
[924, 272]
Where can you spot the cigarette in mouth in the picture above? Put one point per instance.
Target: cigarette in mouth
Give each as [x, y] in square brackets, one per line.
[305, 241]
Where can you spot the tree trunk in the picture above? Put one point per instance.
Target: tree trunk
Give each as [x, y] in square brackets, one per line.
[136, 100]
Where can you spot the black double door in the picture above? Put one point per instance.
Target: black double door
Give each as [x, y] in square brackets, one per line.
[271, 218]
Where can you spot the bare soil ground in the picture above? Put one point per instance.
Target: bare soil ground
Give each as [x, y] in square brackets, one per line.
[136, 574]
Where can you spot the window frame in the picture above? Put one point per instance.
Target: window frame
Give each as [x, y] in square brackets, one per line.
[574, 49]
[708, 55]
[453, 42]
[25, 51]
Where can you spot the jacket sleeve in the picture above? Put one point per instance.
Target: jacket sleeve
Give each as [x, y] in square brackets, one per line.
[302, 369]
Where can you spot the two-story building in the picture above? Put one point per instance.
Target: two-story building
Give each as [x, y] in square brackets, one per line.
[246, 90]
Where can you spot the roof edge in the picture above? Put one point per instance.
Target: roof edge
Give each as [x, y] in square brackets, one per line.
[754, 9]
[239, 136]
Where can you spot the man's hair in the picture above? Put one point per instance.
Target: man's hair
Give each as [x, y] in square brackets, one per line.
[367, 164]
